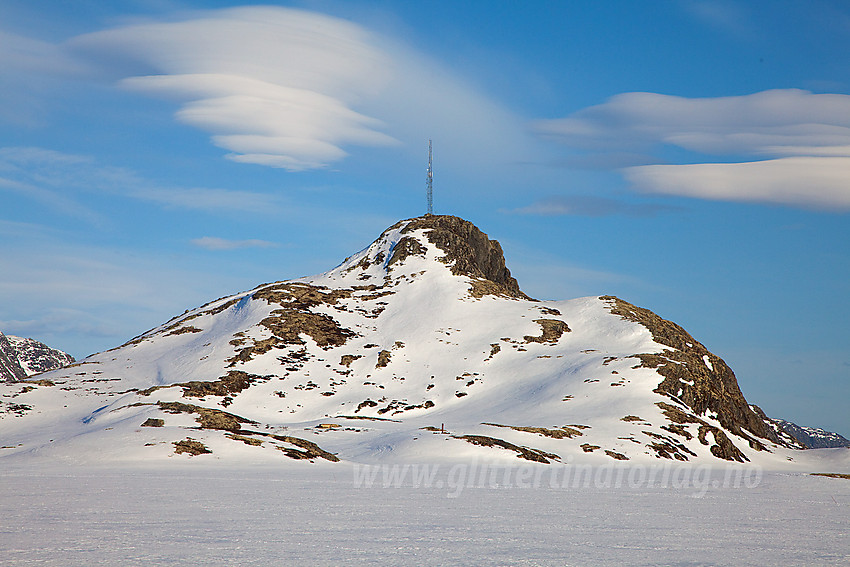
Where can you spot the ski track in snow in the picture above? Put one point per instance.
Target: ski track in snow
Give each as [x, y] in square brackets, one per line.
[317, 516]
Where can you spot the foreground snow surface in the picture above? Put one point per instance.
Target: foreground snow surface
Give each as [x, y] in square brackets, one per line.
[316, 515]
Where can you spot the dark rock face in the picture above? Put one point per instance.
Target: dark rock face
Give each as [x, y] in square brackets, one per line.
[697, 378]
[812, 437]
[10, 369]
[469, 251]
[29, 356]
[37, 357]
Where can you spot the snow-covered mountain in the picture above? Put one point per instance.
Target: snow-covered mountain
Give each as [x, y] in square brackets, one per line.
[813, 437]
[420, 347]
[10, 369]
[20, 357]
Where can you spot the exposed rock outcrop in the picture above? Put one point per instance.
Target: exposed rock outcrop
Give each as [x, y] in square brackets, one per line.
[10, 369]
[696, 377]
[469, 252]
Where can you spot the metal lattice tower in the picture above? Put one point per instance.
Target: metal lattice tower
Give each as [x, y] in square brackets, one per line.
[429, 182]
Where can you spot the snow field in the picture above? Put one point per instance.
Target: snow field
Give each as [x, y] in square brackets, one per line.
[317, 515]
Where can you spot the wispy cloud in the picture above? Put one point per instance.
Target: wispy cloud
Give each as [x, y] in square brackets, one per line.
[802, 138]
[725, 15]
[51, 199]
[53, 177]
[297, 90]
[210, 199]
[33, 57]
[32, 68]
[762, 123]
[592, 206]
[93, 296]
[56, 321]
[548, 277]
[215, 243]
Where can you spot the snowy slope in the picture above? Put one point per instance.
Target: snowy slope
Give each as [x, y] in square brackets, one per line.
[420, 348]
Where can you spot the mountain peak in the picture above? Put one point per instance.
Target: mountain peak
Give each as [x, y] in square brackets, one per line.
[21, 357]
[10, 368]
[457, 243]
[468, 250]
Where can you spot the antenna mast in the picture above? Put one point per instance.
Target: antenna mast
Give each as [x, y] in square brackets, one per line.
[429, 182]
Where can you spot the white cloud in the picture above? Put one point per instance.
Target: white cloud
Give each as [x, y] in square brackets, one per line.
[812, 182]
[268, 124]
[295, 89]
[808, 133]
[275, 86]
[215, 243]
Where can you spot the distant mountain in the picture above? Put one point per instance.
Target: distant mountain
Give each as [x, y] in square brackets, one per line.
[812, 437]
[421, 346]
[10, 368]
[20, 357]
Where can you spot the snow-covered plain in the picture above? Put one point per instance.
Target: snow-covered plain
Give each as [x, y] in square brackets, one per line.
[321, 515]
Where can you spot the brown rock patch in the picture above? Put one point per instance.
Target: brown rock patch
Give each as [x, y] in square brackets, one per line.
[522, 452]
[552, 329]
[556, 433]
[383, 359]
[347, 359]
[191, 447]
[208, 418]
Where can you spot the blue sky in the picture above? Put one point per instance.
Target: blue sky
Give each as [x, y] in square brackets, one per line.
[691, 157]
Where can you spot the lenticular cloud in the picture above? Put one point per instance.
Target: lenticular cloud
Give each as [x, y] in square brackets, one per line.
[274, 86]
[265, 123]
[298, 90]
[801, 142]
[809, 182]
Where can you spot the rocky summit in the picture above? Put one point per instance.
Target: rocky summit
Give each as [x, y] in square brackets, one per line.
[421, 347]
